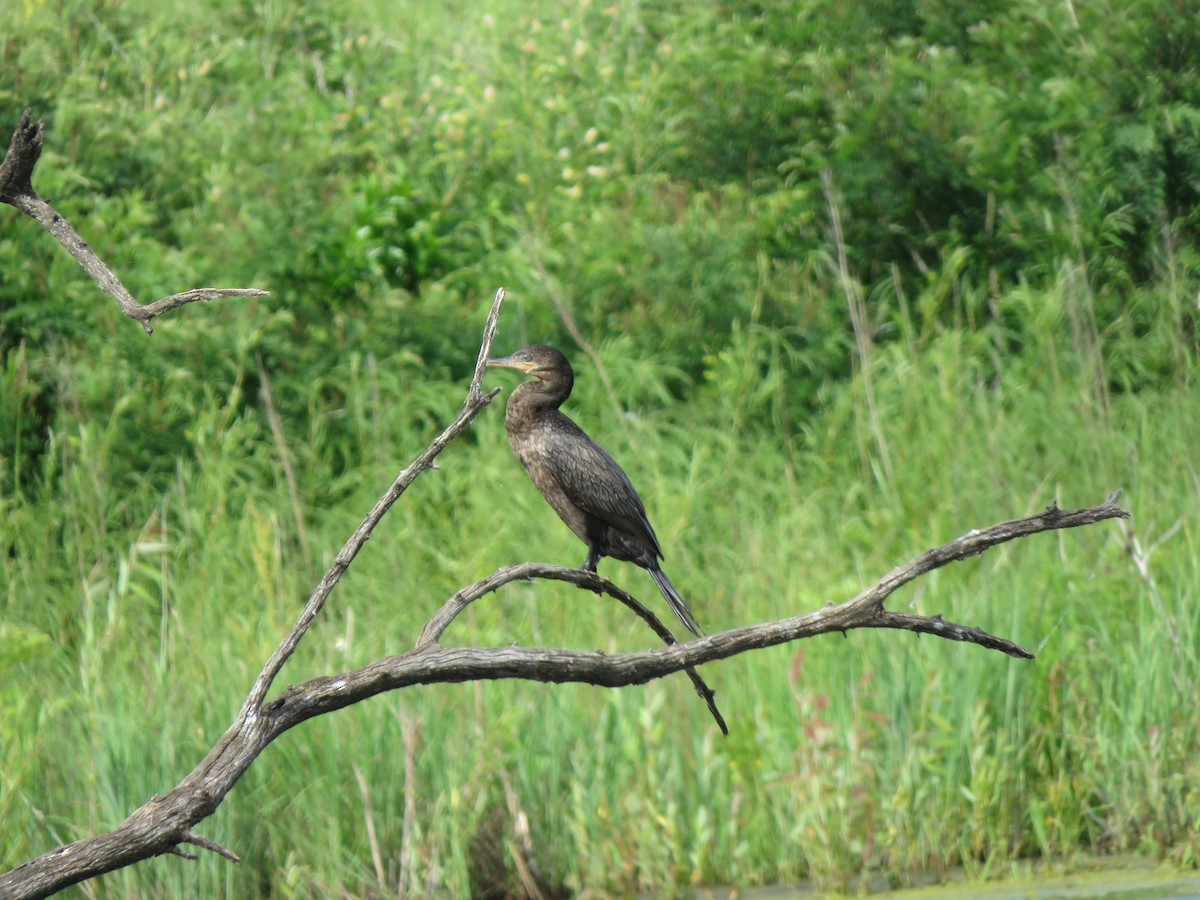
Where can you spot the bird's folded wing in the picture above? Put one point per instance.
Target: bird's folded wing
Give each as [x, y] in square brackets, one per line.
[593, 481]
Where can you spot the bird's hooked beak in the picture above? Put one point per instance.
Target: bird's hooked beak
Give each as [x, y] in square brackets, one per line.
[524, 366]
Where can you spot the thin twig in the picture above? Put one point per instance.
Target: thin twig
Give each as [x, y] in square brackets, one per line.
[590, 581]
[208, 844]
[975, 542]
[476, 402]
[475, 391]
[16, 189]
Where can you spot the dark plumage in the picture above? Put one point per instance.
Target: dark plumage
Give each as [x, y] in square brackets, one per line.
[584, 485]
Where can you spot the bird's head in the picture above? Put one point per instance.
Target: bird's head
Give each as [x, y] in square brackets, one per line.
[538, 360]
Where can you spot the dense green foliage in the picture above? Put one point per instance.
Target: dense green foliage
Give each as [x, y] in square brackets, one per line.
[853, 278]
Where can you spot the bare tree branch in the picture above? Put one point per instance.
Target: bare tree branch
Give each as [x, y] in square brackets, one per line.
[16, 189]
[164, 825]
[164, 822]
[436, 626]
[211, 845]
[161, 824]
[16, 171]
[475, 403]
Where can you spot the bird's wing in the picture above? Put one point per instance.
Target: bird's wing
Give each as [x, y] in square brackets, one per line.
[593, 481]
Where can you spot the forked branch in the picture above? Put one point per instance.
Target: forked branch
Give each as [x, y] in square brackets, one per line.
[475, 403]
[16, 189]
[436, 627]
[164, 825]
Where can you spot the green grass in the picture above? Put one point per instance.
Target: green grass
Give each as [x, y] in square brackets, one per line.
[633, 171]
[880, 751]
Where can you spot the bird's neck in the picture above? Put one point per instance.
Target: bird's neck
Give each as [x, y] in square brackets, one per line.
[544, 394]
[534, 399]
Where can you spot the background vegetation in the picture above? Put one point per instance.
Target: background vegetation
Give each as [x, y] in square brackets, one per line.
[850, 279]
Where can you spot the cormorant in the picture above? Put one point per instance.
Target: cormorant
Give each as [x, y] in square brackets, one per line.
[584, 485]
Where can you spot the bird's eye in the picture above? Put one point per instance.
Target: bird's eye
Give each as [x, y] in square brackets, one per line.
[526, 357]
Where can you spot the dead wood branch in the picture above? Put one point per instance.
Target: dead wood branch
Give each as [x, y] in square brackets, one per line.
[165, 822]
[475, 403]
[164, 825]
[436, 627]
[16, 189]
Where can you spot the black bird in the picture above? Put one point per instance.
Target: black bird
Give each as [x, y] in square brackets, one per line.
[584, 485]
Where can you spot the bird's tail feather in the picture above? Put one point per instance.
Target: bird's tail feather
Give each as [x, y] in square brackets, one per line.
[675, 601]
